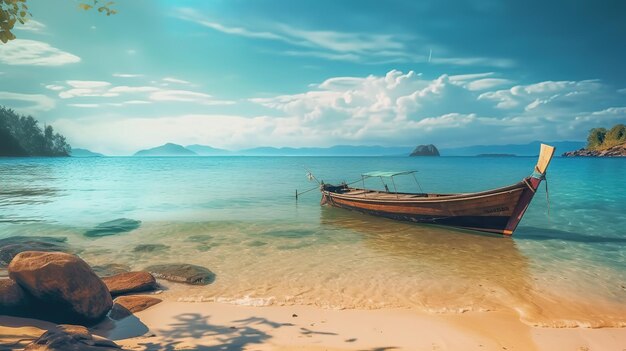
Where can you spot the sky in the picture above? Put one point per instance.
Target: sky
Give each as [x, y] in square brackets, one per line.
[237, 74]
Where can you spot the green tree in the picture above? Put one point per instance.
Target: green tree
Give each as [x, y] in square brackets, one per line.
[615, 136]
[13, 11]
[21, 136]
[596, 138]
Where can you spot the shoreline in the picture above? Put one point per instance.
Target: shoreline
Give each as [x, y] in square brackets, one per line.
[174, 325]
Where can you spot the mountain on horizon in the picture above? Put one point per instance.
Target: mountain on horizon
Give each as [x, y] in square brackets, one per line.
[204, 150]
[168, 149]
[529, 149]
[337, 150]
[78, 152]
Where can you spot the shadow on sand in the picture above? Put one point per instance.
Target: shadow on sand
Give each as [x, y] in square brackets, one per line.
[196, 328]
[194, 331]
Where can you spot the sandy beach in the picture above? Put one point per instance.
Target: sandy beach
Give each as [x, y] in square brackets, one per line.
[217, 326]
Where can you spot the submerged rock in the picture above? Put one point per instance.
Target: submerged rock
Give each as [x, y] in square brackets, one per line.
[125, 306]
[13, 299]
[150, 248]
[425, 150]
[109, 269]
[71, 338]
[9, 247]
[116, 226]
[63, 287]
[256, 243]
[130, 282]
[200, 238]
[183, 273]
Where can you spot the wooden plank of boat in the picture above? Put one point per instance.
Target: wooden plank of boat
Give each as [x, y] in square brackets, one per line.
[495, 211]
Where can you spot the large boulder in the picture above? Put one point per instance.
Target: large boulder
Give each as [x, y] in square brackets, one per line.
[182, 273]
[425, 150]
[71, 338]
[11, 246]
[13, 299]
[63, 286]
[130, 282]
[116, 226]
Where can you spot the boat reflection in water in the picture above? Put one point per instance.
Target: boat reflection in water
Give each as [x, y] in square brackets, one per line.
[435, 269]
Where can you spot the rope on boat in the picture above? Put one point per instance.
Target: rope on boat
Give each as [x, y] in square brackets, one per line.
[537, 174]
[547, 196]
[306, 191]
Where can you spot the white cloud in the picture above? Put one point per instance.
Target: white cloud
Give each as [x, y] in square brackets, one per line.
[125, 136]
[86, 88]
[401, 108]
[55, 87]
[103, 89]
[31, 25]
[127, 75]
[35, 53]
[371, 48]
[487, 83]
[474, 61]
[84, 105]
[34, 102]
[136, 102]
[470, 76]
[393, 109]
[533, 95]
[186, 96]
[175, 80]
[88, 84]
[122, 89]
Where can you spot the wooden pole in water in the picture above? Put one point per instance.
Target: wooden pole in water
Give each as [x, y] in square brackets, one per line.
[296, 194]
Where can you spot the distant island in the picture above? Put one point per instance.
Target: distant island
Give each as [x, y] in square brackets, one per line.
[168, 149]
[603, 143]
[527, 149]
[425, 150]
[21, 136]
[78, 152]
[508, 150]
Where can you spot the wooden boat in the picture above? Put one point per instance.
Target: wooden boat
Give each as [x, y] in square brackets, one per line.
[494, 211]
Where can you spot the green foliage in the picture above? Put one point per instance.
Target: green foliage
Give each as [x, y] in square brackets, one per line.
[103, 7]
[595, 138]
[21, 136]
[615, 136]
[600, 138]
[13, 11]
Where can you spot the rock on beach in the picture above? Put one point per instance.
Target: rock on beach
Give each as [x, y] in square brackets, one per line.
[63, 287]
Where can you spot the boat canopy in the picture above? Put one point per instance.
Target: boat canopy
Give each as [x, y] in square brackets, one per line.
[386, 174]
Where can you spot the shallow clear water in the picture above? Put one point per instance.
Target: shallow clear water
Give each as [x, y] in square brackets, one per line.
[238, 217]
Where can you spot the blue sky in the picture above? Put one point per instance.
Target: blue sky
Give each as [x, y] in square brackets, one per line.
[237, 74]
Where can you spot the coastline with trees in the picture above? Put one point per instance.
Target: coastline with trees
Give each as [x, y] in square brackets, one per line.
[22, 136]
[603, 143]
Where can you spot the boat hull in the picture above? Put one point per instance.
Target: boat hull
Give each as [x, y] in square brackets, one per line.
[497, 211]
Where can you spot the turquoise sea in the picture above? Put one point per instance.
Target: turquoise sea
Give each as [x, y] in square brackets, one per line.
[238, 216]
